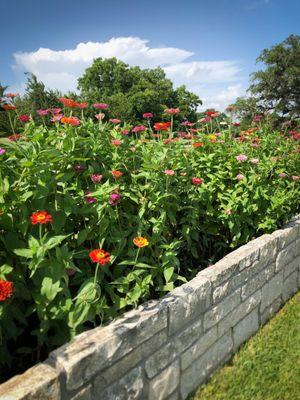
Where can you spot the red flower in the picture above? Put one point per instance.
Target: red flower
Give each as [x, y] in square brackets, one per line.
[162, 126]
[172, 111]
[9, 107]
[99, 256]
[68, 102]
[6, 289]
[115, 121]
[197, 181]
[81, 105]
[40, 217]
[74, 121]
[116, 173]
[14, 138]
[24, 118]
[197, 144]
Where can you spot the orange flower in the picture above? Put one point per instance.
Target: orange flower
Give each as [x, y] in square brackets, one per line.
[161, 126]
[197, 144]
[6, 289]
[9, 107]
[14, 138]
[68, 102]
[99, 256]
[74, 121]
[41, 217]
[212, 138]
[140, 241]
[116, 174]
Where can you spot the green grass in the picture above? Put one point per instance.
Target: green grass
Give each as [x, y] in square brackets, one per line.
[267, 367]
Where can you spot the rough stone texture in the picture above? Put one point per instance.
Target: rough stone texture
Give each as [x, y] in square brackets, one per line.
[245, 328]
[164, 383]
[166, 348]
[129, 387]
[38, 383]
[199, 371]
[188, 301]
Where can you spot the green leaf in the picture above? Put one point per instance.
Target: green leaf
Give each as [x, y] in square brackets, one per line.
[168, 272]
[26, 253]
[50, 289]
[54, 241]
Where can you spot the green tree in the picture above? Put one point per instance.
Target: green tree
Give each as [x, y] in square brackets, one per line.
[277, 86]
[131, 91]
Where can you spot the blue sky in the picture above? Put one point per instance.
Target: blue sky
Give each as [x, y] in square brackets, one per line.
[210, 46]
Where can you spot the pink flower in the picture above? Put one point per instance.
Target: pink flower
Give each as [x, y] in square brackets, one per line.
[187, 123]
[55, 110]
[24, 118]
[125, 132]
[115, 120]
[101, 106]
[100, 116]
[89, 199]
[2, 151]
[282, 175]
[148, 115]
[42, 113]
[255, 145]
[197, 181]
[139, 128]
[116, 142]
[169, 172]
[172, 111]
[236, 124]
[257, 118]
[240, 177]
[254, 160]
[114, 199]
[96, 178]
[228, 211]
[295, 177]
[56, 117]
[242, 158]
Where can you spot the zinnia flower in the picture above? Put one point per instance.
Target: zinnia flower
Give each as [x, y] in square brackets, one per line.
[11, 95]
[240, 177]
[257, 118]
[140, 241]
[99, 256]
[40, 217]
[236, 124]
[96, 178]
[114, 199]
[9, 107]
[169, 172]
[172, 111]
[6, 289]
[14, 138]
[24, 118]
[295, 177]
[101, 106]
[74, 121]
[282, 174]
[116, 142]
[68, 102]
[197, 144]
[42, 113]
[89, 199]
[139, 128]
[81, 105]
[56, 117]
[148, 115]
[241, 158]
[187, 123]
[115, 121]
[125, 132]
[197, 181]
[2, 151]
[116, 173]
[228, 211]
[54, 110]
[161, 126]
[254, 160]
[100, 116]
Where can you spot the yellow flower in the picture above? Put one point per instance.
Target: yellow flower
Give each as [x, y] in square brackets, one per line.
[140, 241]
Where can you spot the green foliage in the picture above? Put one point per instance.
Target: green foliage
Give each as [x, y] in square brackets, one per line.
[59, 292]
[131, 91]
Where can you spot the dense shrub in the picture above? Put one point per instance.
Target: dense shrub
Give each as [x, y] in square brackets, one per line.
[160, 204]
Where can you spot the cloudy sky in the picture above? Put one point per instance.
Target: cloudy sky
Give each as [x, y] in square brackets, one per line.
[210, 46]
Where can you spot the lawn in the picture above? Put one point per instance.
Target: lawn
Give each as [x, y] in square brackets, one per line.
[267, 367]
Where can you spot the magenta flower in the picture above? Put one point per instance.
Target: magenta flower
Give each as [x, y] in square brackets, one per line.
[90, 199]
[24, 118]
[240, 177]
[282, 175]
[148, 115]
[114, 199]
[254, 160]
[55, 110]
[242, 158]
[42, 113]
[125, 132]
[169, 172]
[2, 151]
[96, 178]
[139, 128]
[257, 118]
[101, 106]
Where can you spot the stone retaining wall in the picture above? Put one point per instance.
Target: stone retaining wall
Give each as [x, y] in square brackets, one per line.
[166, 348]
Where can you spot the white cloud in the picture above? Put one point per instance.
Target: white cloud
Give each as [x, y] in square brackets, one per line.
[60, 69]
